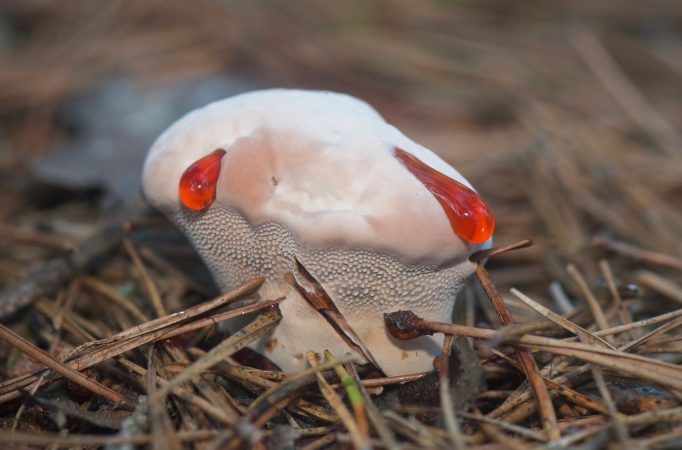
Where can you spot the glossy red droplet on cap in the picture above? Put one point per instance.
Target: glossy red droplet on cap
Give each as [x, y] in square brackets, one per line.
[198, 181]
[470, 217]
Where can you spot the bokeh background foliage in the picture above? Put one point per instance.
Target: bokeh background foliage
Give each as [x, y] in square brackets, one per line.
[571, 105]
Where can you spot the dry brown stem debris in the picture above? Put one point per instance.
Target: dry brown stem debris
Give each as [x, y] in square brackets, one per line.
[562, 114]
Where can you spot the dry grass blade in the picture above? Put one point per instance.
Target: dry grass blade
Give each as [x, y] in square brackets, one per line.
[656, 371]
[576, 397]
[508, 332]
[43, 358]
[320, 300]
[53, 274]
[147, 281]
[592, 302]
[159, 422]
[503, 440]
[451, 422]
[655, 416]
[521, 431]
[625, 92]
[75, 440]
[414, 430]
[638, 253]
[359, 438]
[85, 356]
[569, 394]
[302, 407]
[490, 252]
[527, 362]
[291, 383]
[353, 393]
[645, 368]
[226, 416]
[570, 441]
[664, 373]
[621, 430]
[223, 299]
[388, 439]
[660, 284]
[622, 311]
[588, 338]
[73, 411]
[556, 318]
[640, 323]
[16, 234]
[673, 435]
[677, 322]
[259, 327]
[274, 399]
[398, 379]
[322, 442]
[111, 294]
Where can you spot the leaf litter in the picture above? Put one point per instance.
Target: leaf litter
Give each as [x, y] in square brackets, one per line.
[567, 127]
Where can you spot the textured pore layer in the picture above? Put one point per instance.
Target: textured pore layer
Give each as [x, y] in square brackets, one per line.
[364, 284]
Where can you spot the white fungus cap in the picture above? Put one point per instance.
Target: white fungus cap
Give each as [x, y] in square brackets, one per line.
[321, 166]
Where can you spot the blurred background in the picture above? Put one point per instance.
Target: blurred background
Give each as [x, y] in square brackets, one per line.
[566, 116]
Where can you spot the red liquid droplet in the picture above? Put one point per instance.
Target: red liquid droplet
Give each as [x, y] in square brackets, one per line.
[470, 217]
[198, 182]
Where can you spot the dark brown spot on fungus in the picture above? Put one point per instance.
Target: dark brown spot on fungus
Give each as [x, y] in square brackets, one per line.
[270, 345]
